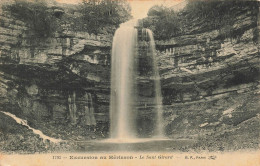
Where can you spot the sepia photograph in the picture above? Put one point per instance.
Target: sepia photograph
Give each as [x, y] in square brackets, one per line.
[129, 82]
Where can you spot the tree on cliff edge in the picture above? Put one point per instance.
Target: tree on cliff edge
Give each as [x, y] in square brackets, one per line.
[104, 14]
[162, 21]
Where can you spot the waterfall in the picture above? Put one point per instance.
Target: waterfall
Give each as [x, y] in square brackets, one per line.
[35, 131]
[124, 81]
[158, 93]
[87, 112]
[91, 111]
[72, 108]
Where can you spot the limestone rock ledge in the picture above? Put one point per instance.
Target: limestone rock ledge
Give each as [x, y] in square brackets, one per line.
[37, 75]
[207, 76]
[198, 65]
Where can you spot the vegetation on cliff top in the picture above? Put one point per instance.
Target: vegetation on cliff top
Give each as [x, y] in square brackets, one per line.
[35, 14]
[104, 15]
[208, 15]
[163, 22]
[43, 19]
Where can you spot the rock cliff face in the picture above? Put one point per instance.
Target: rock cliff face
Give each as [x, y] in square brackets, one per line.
[209, 79]
[211, 61]
[210, 82]
[42, 77]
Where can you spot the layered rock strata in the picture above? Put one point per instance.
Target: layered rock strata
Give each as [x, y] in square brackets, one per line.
[48, 79]
[202, 69]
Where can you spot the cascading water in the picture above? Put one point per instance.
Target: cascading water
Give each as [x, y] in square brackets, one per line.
[124, 80]
[122, 73]
[91, 110]
[158, 93]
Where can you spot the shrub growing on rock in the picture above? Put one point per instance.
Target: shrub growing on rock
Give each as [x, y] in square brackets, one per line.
[36, 14]
[104, 14]
[162, 21]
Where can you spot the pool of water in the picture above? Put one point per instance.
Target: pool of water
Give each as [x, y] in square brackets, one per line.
[142, 145]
